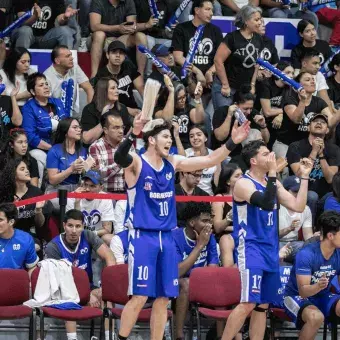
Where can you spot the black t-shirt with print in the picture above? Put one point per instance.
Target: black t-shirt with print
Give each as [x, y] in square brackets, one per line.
[218, 119]
[303, 148]
[212, 37]
[26, 213]
[269, 52]
[334, 90]
[50, 9]
[144, 14]
[6, 112]
[299, 50]
[128, 73]
[290, 131]
[185, 123]
[240, 64]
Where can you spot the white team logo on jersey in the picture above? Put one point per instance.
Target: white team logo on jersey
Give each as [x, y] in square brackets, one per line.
[175, 282]
[147, 186]
[16, 247]
[168, 176]
[84, 251]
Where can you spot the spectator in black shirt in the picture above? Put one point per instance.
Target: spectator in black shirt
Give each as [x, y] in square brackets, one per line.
[333, 82]
[236, 57]
[298, 109]
[269, 52]
[114, 20]
[224, 119]
[187, 187]
[324, 155]
[126, 72]
[269, 94]
[308, 42]
[17, 148]
[106, 98]
[51, 24]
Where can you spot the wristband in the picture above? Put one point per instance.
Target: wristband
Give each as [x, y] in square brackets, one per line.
[322, 157]
[198, 101]
[313, 159]
[230, 145]
[304, 178]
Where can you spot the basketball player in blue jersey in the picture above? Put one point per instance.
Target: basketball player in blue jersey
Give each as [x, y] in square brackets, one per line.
[308, 299]
[151, 215]
[255, 198]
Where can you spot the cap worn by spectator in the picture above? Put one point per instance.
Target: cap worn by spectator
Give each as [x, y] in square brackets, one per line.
[93, 176]
[292, 183]
[161, 50]
[321, 115]
[116, 45]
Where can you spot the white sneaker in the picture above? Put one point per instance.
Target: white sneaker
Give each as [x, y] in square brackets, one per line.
[83, 45]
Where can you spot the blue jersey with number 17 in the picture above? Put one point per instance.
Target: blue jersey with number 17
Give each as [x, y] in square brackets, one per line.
[255, 234]
[151, 202]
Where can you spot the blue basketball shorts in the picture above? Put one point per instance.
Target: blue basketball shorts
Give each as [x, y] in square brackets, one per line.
[153, 266]
[259, 286]
[294, 306]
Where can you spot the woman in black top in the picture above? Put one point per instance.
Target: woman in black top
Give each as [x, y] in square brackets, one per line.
[106, 98]
[333, 82]
[269, 99]
[236, 56]
[15, 186]
[17, 148]
[298, 108]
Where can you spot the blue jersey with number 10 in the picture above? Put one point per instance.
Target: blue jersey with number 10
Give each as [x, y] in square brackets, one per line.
[256, 234]
[151, 202]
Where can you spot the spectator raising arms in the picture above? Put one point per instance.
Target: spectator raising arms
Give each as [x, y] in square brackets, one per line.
[15, 72]
[106, 98]
[17, 247]
[41, 116]
[66, 158]
[17, 147]
[236, 56]
[15, 186]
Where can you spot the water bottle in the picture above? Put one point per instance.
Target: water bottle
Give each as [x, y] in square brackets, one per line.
[239, 115]
[167, 331]
[194, 335]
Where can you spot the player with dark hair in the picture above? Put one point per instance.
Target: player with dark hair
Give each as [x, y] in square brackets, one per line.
[255, 199]
[151, 215]
[308, 300]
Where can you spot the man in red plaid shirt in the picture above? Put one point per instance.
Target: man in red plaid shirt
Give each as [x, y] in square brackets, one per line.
[103, 151]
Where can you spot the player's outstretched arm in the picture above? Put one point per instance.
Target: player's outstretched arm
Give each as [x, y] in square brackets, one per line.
[238, 135]
[299, 202]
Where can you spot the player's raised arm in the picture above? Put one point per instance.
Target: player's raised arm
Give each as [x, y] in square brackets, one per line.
[123, 156]
[299, 202]
[238, 135]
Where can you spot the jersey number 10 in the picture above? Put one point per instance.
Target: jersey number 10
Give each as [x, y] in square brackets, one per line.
[164, 209]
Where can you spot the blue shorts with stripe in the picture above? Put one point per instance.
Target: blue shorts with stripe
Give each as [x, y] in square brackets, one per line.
[153, 267]
[259, 286]
[294, 306]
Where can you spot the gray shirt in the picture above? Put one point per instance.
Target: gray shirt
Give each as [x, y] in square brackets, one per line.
[113, 15]
[53, 252]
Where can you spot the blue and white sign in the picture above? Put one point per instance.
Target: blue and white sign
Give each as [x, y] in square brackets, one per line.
[282, 32]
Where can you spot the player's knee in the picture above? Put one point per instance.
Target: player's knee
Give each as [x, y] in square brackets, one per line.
[139, 300]
[161, 302]
[314, 317]
[184, 286]
[246, 307]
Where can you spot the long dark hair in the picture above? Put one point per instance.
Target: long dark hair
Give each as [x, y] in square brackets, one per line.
[225, 175]
[10, 64]
[8, 151]
[7, 180]
[61, 133]
[100, 97]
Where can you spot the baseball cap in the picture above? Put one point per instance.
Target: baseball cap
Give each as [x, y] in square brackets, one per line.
[93, 176]
[321, 115]
[116, 45]
[161, 50]
[292, 183]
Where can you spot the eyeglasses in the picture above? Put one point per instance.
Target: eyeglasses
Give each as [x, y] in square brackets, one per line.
[195, 175]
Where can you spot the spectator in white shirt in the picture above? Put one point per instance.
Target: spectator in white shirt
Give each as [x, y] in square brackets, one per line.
[63, 69]
[291, 222]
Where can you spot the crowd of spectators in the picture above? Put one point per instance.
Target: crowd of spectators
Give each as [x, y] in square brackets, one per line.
[44, 147]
